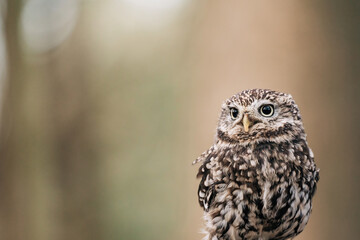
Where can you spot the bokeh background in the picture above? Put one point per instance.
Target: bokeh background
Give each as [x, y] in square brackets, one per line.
[105, 103]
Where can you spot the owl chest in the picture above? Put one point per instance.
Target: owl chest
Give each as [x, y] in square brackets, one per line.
[265, 179]
[259, 168]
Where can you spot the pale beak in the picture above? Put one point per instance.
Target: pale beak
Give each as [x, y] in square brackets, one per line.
[246, 122]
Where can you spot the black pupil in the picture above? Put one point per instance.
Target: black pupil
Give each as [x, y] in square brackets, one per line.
[267, 110]
[234, 112]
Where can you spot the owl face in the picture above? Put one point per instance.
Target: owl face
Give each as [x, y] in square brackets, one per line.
[258, 115]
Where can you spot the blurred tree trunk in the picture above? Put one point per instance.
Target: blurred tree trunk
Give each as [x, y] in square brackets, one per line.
[14, 217]
[48, 151]
[75, 148]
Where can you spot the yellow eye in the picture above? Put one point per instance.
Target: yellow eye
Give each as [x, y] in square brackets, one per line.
[267, 110]
[234, 113]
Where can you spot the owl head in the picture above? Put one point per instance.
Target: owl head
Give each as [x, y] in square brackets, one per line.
[259, 115]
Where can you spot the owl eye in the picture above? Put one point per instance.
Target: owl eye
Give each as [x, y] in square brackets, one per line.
[266, 110]
[234, 113]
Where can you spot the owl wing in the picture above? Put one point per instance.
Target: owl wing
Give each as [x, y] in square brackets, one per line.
[205, 154]
[206, 190]
[207, 194]
[208, 187]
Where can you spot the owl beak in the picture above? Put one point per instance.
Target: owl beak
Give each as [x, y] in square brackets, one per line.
[246, 122]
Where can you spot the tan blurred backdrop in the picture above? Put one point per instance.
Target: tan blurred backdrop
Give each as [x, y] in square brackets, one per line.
[105, 103]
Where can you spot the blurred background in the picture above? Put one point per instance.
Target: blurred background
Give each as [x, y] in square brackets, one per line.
[105, 103]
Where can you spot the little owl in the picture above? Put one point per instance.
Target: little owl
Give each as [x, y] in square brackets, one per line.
[259, 177]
